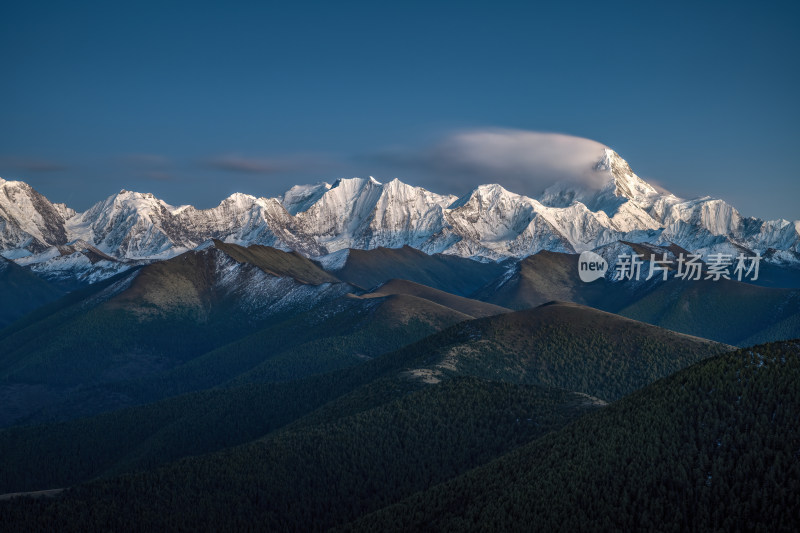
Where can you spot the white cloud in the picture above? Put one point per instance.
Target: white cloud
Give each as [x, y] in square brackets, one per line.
[523, 161]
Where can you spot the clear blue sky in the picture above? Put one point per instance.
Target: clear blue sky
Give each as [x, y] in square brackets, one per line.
[195, 100]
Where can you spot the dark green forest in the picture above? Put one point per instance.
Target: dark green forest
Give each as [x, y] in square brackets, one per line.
[715, 447]
[566, 347]
[311, 477]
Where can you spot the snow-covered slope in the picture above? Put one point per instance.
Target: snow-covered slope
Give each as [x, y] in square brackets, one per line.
[74, 264]
[301, 197]
[490, 223]
[244, 219]
[29, 222]
[364, 213]
[257, 292]
[495, 223]
[130, 225]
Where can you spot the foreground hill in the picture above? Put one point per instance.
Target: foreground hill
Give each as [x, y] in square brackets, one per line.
[314, 476]
[345, 332]
[580, 350]
[562, 345]
[317, 357]
[714, 447]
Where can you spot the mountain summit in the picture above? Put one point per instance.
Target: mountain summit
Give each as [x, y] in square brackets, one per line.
[611, 178]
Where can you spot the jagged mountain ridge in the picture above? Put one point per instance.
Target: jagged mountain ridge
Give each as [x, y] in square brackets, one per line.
[489, 223]
[28, 220]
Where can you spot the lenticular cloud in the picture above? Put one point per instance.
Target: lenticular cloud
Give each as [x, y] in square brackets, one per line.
[532, 159]
[523, 161]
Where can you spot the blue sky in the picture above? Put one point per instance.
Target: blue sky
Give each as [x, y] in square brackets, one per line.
[195, 100]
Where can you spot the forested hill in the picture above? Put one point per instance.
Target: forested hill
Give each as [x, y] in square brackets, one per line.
[714, 447]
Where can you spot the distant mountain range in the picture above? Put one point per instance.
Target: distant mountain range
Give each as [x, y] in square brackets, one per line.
[324, 221]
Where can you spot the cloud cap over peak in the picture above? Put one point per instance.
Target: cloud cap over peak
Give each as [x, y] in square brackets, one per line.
[521, 160]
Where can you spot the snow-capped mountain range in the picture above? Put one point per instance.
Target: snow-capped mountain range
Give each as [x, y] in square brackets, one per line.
[489, 223]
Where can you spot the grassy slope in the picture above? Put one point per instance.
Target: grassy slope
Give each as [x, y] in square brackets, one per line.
[55, 362]
[474, 308]
[341, 334]
[177, 293]
[370, 268]
[548, 276]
